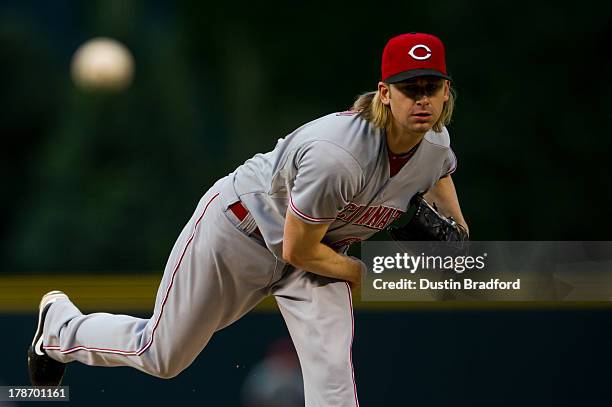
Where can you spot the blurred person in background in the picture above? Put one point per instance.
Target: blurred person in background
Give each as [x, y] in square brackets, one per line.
[276, 381]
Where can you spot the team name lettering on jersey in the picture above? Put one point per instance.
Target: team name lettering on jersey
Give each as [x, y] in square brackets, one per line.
[345, 242]
[376, 217]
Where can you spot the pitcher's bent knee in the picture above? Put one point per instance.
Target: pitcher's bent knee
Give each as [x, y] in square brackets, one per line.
[164, 371]
[166, 362]
[167, 374]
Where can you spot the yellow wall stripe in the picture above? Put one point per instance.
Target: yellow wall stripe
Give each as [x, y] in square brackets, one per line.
[136, 293]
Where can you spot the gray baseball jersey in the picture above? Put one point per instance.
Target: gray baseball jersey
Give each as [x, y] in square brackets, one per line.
[333, 170]
[336, 170]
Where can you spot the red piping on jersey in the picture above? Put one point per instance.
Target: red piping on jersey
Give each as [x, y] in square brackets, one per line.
[148, 344]
[348, 287]
[302, 214]
[456, 163]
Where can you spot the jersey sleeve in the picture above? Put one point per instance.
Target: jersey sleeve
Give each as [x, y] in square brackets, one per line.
[450, 164]
[327, 178]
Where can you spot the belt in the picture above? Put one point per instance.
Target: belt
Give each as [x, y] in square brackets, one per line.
[241, 212]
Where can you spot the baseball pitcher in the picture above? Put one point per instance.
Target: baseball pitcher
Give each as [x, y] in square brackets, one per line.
[280, 225]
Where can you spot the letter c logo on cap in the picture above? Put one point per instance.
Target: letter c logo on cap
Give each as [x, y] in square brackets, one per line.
[420, 58]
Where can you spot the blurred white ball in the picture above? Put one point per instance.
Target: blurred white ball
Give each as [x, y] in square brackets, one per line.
[102, 64]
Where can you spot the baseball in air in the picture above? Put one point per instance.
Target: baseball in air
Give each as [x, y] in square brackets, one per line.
[102, 64]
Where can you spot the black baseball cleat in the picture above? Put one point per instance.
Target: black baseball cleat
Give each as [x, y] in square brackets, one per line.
[44, 371]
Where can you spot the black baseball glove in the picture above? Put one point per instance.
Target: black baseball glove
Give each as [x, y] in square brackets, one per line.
[427, 224]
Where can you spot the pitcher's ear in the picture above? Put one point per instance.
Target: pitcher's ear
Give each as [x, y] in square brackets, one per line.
[384, 92]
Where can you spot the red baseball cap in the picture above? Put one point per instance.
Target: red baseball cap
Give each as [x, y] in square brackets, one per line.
[410, 55]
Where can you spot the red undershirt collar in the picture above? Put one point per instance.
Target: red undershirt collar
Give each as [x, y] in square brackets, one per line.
[397, 161]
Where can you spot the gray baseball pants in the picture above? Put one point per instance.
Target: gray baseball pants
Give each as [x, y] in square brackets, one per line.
[215, 274]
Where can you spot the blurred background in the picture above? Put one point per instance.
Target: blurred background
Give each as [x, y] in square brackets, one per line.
[97, 186]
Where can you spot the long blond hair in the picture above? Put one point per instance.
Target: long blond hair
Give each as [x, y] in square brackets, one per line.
[376, 112]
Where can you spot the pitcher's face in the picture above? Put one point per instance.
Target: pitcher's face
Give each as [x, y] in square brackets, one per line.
[416, 104]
